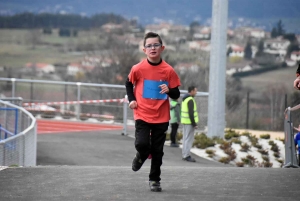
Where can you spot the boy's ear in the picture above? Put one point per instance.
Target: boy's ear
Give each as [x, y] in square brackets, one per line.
[144, 50]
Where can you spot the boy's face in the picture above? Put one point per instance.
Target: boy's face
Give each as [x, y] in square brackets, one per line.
[153, 49]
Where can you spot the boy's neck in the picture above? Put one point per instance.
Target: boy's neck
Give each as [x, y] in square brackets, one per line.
[154, 63]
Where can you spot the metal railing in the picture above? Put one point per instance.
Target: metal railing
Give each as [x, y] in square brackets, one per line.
[290, 149]
[18, 142]
[61, 91]
[40, 91]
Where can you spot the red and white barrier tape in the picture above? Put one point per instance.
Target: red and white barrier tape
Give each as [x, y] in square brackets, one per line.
[76, 102]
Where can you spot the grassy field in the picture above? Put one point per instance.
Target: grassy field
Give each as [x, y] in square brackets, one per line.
[18, 47]
[272, 79]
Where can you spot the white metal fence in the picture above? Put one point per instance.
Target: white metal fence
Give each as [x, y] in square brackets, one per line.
[45, 91]
[18, 140]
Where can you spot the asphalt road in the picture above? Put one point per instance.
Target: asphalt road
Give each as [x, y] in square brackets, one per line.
[96, 165]
[101, 148]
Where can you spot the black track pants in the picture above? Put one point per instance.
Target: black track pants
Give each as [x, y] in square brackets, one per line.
[154, 144]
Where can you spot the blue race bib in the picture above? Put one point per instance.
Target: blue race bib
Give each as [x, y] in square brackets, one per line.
[151, 90]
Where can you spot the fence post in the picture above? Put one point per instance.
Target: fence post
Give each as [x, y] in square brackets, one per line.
[16, 121]
[13, 87]
[4, 154]
[125, 106]
[66, 98]
[31, 91]
[290, 149]
[24, 153]
[78, 99]
[2, 151]
[247, 113]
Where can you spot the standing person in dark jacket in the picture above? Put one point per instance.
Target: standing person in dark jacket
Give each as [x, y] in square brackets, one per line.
[149, 85]
[189, 120]
[175, 120]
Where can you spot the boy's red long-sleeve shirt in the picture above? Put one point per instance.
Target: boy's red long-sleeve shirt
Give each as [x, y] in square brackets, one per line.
[152, 110]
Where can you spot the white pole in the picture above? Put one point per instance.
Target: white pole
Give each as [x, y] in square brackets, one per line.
[217, 76]
[125, 107]
[78, 99]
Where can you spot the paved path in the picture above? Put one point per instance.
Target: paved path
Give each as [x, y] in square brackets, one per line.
[101, 148]
[119, 183]
[96, 165]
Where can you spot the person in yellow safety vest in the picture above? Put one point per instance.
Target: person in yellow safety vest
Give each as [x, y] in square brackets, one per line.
[189, 120]
[174, 121]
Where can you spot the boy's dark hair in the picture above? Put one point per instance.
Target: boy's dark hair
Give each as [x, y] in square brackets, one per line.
[152, 35]
[191, 88]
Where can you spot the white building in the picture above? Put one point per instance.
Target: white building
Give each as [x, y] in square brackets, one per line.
[41, 67]
[295, 56]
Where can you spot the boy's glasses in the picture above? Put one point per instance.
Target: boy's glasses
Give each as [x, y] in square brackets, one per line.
[156, 45]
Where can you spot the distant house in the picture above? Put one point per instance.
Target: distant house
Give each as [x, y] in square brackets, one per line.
[290, 62]
[90, 62]
[129, 39]
[203, 34]
[184, 67]
[276, 44]
[246, 32]
[41, 67]
[109, 27]
[230, 33]
[199, 45]
[277, 47]
[257, 33]
[295, 56]
[178, 29]
[237, 51]
[161, 29]
[239, 67]
[76, 67]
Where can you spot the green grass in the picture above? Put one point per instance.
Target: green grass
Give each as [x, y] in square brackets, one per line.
[18, 55]
[272, 79]
[17, 50]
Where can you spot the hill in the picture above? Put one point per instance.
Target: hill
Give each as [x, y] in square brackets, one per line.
[176, 11]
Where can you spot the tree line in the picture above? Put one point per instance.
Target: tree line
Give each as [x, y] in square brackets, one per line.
[46, 20]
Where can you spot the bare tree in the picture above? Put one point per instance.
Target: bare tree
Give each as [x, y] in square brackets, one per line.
[34, 37]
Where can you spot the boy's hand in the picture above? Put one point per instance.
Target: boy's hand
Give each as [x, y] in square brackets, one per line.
[285, 111]
[133, 105]
[297, 83]
[164, 89]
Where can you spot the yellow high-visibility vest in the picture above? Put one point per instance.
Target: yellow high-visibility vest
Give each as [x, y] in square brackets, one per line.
[185, 119]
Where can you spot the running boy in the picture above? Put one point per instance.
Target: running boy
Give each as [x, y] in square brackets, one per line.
[154, 82]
